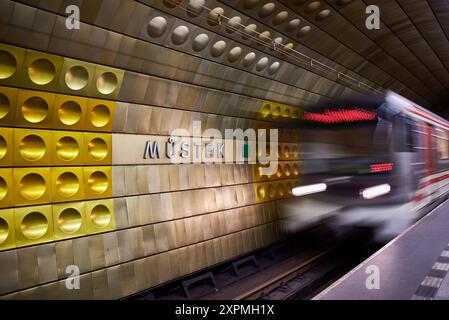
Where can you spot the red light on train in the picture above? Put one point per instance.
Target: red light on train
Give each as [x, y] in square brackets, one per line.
[381, 167]
[340, 116]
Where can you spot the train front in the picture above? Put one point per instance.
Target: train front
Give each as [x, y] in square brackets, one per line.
[355, 155]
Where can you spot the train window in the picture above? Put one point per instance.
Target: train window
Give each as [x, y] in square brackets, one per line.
[442, 144]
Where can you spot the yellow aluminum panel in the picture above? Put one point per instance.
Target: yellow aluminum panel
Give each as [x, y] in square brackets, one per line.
[106, 83]
[11, 62]
[32, 186]
[7, 232]
[34, 109]
[100, 115]
[41, 70]
[8, 102]
[97, 148]
[32, 147]
[69, 112]
[67, 184]
[6, 146]
[33, 225]
[6, 188]
[97, 182]
[67, 148]
[76, 77]
[69, 220]
[99, 216]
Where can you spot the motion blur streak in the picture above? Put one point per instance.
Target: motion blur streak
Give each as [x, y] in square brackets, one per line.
[377, 191]
[313, 188]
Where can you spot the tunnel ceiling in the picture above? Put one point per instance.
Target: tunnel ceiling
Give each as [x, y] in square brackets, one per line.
[408, 54]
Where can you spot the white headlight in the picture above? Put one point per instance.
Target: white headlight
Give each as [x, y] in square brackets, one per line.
[313, 188]
[374, 192]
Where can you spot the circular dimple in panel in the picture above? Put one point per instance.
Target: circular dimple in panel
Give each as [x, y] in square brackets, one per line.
[67, 148]
[200, 42]
[277, 111]
[286, 112]
[250, 29]
[100, 116]
[97, 149]
[265, 36]
[3, 147]
[287, 171]
[157, 26]
[323, 14]
[289, 46]
[32, 186]
[279, 171]
[233, 24]
[214, 16]
[303, 31]
[69, 113]
[3, 188]
[271, 191]
[295, 114]
[274, 68]
[261, 192]
[76, 78]
[32, 147]
[295, 169]
[234, 54]
[218, 48]
[280, 17]
[195, 7]
[249, 4]
[107, 83]
[34, 225]
[100, 216]
[41, 71]
[267, 9]
[262, 64]
[249, 59]
[281, 189]
[180, 35]
[69, 221]
[98, 182]
[4, 230]
[8, 64]
[35, 109]
[5, 105]
[266, 110]
[292, 25]
[278, 40]
[287, 153]
[313, 6]
[67, 184]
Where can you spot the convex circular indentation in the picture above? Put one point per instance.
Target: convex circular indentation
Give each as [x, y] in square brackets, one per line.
[69, 113]
[271, 191]
[180, 35]
[98, 182]
[157, 26]
[249, 59]
[32, 186]
[261, 192]
[218, 49]
[249, 4]
[200, 42]
[233, 24]
[195, 7]
[274, 68]
[313, 6]
[67, 148]
[5, 106]
[107, 83]
[280, 17]
[3, 147]
[77, 78]
[3, 188]
[262, 64]
[67, 184]
[97, 149]
[303, 31]
[214, 16]
[234, 54]
[292, 25]
[32, 147]
[267, 9]
[34, 225]
[323, 14]
[35, 110]
[4, 230]
[8, 64]
[100, 216]
[100, 116]
[41, 71]
[69, 220]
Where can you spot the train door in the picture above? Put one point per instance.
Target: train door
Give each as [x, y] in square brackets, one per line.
[429, 158]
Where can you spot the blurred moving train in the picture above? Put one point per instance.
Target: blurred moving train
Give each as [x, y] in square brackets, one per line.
[379, 161]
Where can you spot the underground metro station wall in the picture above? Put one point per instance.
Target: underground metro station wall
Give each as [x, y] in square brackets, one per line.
[71, 196]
